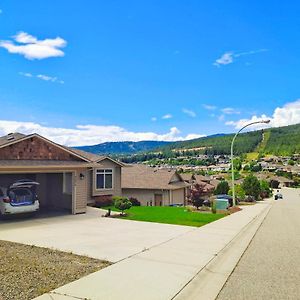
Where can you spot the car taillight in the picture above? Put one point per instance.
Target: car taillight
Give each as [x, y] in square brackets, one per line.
[6, 200]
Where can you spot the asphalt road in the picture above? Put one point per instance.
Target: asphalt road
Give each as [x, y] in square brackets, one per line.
[270, 267]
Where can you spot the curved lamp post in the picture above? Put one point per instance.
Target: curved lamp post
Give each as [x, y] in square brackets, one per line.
[232, 167]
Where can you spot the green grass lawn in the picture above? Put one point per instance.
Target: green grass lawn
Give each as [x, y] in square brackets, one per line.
[169, 215]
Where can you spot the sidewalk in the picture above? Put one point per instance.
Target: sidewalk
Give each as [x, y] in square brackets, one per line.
[163, 271]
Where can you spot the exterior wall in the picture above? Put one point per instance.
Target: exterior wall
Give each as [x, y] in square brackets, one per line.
[146, 197]
[35, 148]
[80, 191]
[178, 196]
[116, 190]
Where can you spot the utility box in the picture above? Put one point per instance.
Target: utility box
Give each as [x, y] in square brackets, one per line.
[222, 204]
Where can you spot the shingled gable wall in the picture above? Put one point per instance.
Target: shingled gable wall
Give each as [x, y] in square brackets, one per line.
[35, 148]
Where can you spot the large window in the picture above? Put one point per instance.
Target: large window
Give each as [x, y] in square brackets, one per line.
[67, 183]
[104, 179]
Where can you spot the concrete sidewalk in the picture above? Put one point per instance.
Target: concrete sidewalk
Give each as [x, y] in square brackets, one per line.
[166, 270]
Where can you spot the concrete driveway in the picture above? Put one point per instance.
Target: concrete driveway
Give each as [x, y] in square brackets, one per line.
[90, 234]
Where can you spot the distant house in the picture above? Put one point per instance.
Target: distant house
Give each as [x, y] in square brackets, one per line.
[153, 187]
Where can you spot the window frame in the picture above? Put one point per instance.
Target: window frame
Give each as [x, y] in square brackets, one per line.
[103, 171]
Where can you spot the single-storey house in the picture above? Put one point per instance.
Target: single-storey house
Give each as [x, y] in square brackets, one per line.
[69, 179]
[153, 186]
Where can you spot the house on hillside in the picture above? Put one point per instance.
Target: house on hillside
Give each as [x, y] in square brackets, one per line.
[69, 179]
[153, 186]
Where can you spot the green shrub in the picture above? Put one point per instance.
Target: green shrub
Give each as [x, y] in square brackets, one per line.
[122, 203]
[222, 188]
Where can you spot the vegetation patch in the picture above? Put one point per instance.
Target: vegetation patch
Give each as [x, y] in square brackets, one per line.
[27, 272]
[169, 215]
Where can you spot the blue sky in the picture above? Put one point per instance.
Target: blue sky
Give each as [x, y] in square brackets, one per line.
[95, 71]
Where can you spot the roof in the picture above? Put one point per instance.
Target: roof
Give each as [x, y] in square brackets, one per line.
[13, 138]
[187, 176]
[200, 178]
[87, 155]
[143, 177]
[7, 139]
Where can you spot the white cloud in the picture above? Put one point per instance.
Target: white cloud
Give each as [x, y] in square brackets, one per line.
[153, 119]
[32, 48]
[230, 111]
[288, 114]
[43, 77]
[225, 59]
[89, 134]
[25, 74]
[228, 57]
[209, 107]
[192, 136]
[167, 116]
[189, 112]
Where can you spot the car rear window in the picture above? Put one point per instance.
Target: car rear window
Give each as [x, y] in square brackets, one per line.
[21, 195]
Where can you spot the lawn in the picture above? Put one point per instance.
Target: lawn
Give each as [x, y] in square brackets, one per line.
[170, 215]
[28, 271]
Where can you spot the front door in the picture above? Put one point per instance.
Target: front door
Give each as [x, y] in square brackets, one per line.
[158, 199]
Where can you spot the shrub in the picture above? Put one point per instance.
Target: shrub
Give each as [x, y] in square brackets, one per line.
[222, 188]
[134, 201]
[214, 207]
[196, 194]
[122, 203]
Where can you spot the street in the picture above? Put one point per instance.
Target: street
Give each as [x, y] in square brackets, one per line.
[270, 267]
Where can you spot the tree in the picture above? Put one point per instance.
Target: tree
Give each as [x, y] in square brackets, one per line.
[222, 188]
[196, 195]
[251, 186]
[122, 203]
[265, 191]
[239, 192]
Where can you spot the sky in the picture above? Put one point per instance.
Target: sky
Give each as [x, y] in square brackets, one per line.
[86, 72]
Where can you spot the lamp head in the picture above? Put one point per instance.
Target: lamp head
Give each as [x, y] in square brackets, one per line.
[266, 121]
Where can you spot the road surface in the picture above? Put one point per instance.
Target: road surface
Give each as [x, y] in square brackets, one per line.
[270, 267]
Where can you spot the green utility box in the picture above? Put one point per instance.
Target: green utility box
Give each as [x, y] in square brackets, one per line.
[222, 204]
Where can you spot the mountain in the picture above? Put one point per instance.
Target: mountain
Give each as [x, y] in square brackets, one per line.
[116, 148]
[278, 141]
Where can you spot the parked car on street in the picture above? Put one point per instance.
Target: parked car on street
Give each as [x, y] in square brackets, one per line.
[20, 197]
[278, 196]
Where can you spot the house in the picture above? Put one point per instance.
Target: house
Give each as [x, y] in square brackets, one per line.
[69, 179]
[153, 186]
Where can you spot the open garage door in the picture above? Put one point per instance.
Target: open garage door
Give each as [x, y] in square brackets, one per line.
[55, 192]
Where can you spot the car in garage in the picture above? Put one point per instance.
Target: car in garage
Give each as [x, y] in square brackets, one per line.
[19, 197]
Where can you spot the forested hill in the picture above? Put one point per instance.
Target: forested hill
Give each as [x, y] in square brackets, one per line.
[113, 148]
[280, 141]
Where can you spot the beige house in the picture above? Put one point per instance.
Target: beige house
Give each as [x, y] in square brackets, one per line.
[69, 179]
[153, 186]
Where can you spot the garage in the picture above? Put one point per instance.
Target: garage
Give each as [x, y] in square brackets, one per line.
[55, 190]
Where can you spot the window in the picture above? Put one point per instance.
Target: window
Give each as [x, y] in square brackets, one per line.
[104, 179]
[67, 183]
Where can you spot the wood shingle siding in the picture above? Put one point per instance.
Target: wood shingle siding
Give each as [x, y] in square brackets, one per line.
[35, 148]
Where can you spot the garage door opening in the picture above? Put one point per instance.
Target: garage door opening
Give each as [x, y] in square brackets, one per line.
[55, 192]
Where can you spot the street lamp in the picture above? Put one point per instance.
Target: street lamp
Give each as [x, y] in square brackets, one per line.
[232, 167]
